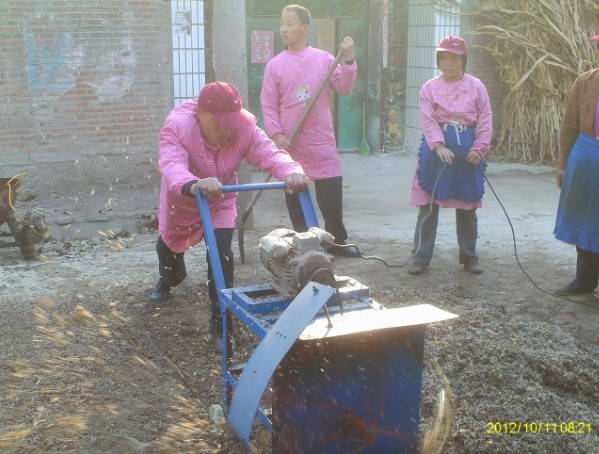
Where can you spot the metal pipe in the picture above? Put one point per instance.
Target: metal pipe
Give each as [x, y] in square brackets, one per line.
[254, 187]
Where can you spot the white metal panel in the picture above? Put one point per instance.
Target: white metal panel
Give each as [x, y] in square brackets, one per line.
[189, 53]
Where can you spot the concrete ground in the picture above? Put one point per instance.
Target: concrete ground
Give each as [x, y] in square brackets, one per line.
[377, 202]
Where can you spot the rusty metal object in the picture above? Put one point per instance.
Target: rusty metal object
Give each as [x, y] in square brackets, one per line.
[28, 231]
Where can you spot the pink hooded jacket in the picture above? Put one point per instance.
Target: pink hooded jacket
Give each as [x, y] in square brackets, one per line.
[185, 157]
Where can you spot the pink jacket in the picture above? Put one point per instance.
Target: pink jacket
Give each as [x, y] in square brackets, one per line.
[290, 79]
[185, 157]
[464, 101]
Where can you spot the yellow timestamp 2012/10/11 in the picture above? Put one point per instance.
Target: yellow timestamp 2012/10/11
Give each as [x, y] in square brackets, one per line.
[538, 427]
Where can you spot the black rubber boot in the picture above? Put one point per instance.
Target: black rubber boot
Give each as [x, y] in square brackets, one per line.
[171, 268]
[160, 293]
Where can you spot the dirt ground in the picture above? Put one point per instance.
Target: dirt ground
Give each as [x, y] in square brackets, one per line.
[86, 365]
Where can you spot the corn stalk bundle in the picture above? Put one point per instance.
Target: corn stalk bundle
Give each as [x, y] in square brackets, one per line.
[540, 47]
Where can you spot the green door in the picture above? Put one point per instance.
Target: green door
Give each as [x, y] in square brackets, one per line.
[349, 108]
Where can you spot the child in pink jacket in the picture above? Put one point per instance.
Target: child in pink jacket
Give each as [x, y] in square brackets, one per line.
[290, 80]
[202, 145]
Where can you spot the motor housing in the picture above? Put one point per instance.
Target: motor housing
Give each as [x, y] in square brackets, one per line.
[295, 259]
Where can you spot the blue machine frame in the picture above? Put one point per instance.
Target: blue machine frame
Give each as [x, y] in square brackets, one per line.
[239, 301]
[356, 392]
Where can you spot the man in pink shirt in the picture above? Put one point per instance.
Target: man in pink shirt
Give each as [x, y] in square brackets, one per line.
[202, 145]
[290, 80]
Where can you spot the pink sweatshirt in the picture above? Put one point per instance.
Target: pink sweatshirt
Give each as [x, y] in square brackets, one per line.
[290, 79]
[185, 157]
[463, 101]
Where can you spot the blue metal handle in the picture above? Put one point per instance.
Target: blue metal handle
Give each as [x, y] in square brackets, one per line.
[254, 187]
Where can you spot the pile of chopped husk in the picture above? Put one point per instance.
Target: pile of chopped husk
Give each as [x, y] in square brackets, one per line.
[540, 47]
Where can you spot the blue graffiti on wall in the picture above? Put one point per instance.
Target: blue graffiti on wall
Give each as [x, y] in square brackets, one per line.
[47, 62]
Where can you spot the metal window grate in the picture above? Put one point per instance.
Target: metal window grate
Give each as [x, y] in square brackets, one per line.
[429, 22]
[189, 54]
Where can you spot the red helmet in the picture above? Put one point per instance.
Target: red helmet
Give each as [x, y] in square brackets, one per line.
[454, 45]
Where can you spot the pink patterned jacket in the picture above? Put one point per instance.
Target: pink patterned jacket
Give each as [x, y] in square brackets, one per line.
[185, 157]
[290, 80]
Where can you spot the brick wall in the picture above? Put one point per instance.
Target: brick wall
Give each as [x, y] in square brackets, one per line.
[84, 89]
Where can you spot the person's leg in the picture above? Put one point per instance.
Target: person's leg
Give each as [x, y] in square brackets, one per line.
[224, 238]
[587, 274]
[425, 235]
[467, 232]
[586, 269]
[171, 268]
[295, 212]
[329, 195]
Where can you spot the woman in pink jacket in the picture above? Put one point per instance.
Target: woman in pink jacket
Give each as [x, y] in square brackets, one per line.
[202, 145]
[290, 80]
[457, 122]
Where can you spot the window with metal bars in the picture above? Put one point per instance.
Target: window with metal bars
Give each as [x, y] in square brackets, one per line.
[429, 22]
[189, 50]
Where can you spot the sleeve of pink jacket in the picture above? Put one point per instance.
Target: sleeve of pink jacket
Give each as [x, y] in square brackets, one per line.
[173, 161]
[344, 77]
[484, 122]
[269, 99]
[432, 131]
[265, 155]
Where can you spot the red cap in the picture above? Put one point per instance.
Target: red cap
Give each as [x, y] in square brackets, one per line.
[224, 101]
[454, 45]
[595, 38]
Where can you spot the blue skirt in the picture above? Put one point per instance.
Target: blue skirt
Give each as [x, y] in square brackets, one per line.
[577, 219]
[460, 180]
